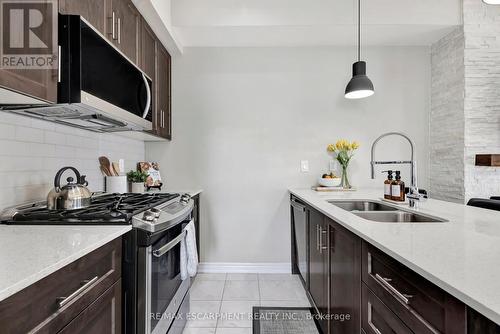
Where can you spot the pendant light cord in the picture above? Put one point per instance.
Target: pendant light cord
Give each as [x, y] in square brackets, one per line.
[359, 30]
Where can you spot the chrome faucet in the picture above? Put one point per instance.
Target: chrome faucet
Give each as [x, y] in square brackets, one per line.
[413, 196]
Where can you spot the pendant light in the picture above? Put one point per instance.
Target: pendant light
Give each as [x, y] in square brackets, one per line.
[360, 85]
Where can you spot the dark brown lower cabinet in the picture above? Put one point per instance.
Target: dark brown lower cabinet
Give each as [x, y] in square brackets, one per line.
[479, 324]
[318, 264]
[345, 280]
[88, 288]
[102, 317]
[363, 290]
[377, 317]
[422, 306]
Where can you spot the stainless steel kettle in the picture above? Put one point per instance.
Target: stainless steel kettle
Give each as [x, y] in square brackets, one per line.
[72, 196]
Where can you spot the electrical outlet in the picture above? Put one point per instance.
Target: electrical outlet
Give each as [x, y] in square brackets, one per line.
[304, 166]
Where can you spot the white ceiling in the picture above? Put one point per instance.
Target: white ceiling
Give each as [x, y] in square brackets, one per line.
[310, 22]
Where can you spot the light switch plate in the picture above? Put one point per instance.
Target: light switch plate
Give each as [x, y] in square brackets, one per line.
[304, 166]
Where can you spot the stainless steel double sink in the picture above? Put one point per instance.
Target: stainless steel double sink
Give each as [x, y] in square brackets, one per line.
[378, 211]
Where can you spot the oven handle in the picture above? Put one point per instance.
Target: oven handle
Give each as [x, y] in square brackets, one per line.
[164, 249]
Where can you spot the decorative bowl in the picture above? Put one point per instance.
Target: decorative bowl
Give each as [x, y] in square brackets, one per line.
[333, 182]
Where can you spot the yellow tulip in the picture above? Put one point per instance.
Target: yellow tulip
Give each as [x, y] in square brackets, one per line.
[330, 148]
[343, 145]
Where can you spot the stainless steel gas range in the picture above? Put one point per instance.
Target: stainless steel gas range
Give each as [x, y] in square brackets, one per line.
[156, 299]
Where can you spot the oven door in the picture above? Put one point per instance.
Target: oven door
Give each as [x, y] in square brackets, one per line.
[162, 290]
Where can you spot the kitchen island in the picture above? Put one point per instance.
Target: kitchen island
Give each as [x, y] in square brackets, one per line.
[460, 256]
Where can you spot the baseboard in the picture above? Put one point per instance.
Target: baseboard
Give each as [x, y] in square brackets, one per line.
[252, 268]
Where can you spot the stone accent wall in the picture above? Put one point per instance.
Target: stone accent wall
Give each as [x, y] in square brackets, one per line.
[482, 95]
[447, 118]
[465, 106]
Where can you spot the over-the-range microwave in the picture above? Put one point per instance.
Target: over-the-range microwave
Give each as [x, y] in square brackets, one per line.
[98, 88]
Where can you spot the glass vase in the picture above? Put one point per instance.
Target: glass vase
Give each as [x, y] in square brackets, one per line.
[345, 178]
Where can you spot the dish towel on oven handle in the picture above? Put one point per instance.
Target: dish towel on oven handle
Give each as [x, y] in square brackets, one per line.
[189, 253]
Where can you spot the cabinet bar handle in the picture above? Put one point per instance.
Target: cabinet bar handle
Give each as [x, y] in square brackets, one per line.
[385, 282]
[86, 284]
[119, 30]
[370, 318]
[113, 30]
[317, 237]
[321, 246]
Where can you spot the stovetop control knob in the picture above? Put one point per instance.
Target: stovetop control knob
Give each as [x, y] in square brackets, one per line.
[155, 212]
[185, 199]
[148, 216]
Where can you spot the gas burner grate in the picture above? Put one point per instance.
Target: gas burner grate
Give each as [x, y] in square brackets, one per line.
[104, 209]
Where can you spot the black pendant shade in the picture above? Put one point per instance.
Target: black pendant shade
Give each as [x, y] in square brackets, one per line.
[360, 85]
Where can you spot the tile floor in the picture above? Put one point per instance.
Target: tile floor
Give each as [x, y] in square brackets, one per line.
[222, 303]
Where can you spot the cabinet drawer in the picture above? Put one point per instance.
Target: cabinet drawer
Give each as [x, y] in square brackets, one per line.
[378, 318]
[102, 316]
[40, 308]
[422, 306]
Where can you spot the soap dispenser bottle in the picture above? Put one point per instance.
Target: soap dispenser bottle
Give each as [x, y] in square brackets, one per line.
[398, 188]
[388, 185]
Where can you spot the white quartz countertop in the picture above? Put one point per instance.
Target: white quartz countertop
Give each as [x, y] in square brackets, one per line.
[461, 256]
[30, 253]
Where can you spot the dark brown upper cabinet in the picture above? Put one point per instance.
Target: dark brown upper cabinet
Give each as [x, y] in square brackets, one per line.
[147, 62]
[40, 84]
[93, 11]
[124, 29]
[163, 93]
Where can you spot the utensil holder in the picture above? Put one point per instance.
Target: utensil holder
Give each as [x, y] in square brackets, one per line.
[116, 184]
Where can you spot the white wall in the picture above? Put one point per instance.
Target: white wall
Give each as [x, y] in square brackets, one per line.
[244, 118]
[32, 151]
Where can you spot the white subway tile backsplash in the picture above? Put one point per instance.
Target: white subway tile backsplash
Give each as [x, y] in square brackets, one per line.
[7, 131]
[32, 151]
[52, 137]
[31, 135]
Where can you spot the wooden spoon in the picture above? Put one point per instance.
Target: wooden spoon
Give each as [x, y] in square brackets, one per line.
[105, 165]
[116, 168]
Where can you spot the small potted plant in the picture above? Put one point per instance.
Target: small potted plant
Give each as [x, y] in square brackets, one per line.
[136, 179]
